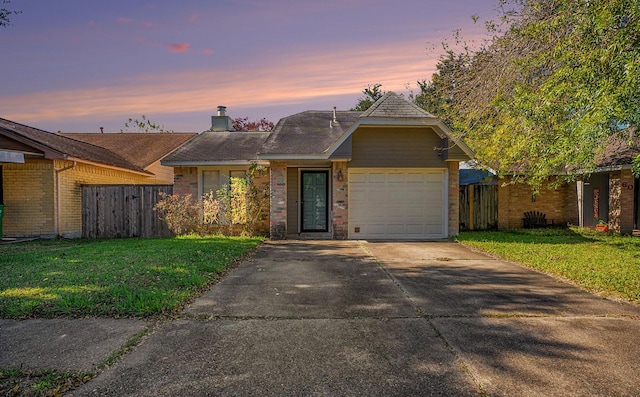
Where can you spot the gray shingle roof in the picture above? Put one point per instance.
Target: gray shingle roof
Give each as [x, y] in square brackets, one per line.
[621, 148]
[392, 105]
[63, 146]
[224, 146]
[309, 132]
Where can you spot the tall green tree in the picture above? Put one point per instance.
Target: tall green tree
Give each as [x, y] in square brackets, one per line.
[5, 14]
[371, 94]
[553, 82]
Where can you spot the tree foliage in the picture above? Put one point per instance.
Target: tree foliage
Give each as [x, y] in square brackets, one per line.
[5, 14]
[554, 80]
[244, 124]
[371, 94]
[143, 125]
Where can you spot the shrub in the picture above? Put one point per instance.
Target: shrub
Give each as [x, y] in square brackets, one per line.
[235, 208]
[180, 212]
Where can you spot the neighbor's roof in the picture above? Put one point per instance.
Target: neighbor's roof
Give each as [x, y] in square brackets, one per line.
[309, 132]
[57, 146]
[212, 147]
[141, 149]
[621, 148]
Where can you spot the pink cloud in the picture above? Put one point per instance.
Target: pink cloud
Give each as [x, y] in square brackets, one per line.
[207, 51]
[149, 24]
[177, 47]
[194, 18]
[125, 20]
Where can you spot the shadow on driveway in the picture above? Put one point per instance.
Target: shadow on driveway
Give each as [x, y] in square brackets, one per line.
[359, 318]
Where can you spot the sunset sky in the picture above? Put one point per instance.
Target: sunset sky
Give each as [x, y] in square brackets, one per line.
[78, 65]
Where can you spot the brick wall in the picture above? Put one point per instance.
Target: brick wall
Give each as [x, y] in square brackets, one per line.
[31, 196]
[454, 198]
[185, 181]
[262, 226]
[514, 199]
[621, 201]
[278, 200]
[29, 199]
[340, 202]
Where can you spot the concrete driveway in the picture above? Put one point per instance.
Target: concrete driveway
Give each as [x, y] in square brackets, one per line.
[363, 318]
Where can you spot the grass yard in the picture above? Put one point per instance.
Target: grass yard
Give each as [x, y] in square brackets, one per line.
[123, 277]
[601, 263]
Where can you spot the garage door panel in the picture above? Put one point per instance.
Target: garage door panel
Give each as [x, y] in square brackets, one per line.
[397, 204]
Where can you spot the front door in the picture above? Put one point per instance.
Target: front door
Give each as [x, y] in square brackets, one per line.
[315, 195]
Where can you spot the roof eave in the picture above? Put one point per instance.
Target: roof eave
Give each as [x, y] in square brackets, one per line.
[212, 163]
[109, 166]
[294, 156]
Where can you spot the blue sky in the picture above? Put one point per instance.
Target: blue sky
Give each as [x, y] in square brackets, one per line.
[77, 65]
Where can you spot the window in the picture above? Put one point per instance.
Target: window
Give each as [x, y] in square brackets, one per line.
[210, 181]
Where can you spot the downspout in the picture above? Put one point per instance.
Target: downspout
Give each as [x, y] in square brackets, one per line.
[58, 204]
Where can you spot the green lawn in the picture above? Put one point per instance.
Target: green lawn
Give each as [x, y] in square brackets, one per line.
[123, 277]
[601, 263]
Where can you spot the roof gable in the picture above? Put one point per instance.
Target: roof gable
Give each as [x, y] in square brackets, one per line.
[325, 134]
[392, 105]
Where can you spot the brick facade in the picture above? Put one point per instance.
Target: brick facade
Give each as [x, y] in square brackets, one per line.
[514, 199]
[621, 201]
[29, 199]
[185, 181]
[44, 197]
[278, 200]
[262, 226]
[453, 201]
[340, 202]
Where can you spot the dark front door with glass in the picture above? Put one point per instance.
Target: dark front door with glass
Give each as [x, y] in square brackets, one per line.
[315, 195]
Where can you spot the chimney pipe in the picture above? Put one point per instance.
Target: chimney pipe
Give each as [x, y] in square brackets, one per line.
[221, 122]
[334, 115]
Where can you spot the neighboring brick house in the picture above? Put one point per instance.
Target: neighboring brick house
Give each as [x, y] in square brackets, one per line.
[41, 173]
[388, 173]
[608, 194]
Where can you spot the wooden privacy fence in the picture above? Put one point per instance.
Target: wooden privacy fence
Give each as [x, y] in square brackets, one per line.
[114, 211]
[478, 207]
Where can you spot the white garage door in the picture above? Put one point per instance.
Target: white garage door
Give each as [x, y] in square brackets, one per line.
[397, 203]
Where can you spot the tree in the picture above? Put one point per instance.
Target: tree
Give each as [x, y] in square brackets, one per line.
[371, 94]
[436, 96]
[555, 79]
[244, 124]
[5, 14]
[144, 125]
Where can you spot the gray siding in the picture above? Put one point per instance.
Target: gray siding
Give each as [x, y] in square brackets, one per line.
[292, 200]
[454, 152]
[382, 147]
[344, 150]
